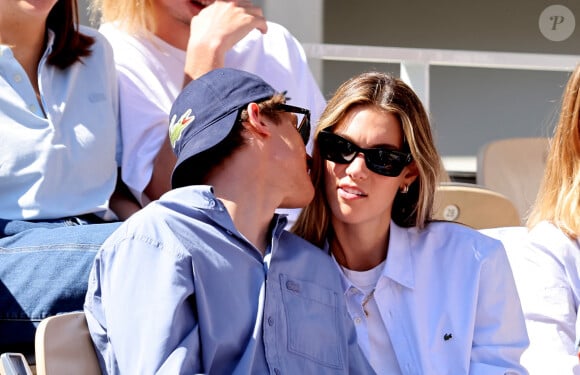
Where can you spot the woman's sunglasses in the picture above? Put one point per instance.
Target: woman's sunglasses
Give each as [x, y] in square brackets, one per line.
[380, 160]
[303, 126]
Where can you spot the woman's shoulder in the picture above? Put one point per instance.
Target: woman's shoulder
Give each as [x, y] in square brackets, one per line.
[454, 231]
[93, 33]
[549, 238]
[101, 46]
[454, 240]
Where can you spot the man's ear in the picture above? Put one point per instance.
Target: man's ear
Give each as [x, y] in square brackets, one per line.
[257, 123]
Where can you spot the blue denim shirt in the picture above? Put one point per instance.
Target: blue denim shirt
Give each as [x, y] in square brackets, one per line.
[178, 290]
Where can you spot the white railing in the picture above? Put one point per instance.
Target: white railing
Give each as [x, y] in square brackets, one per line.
[415, 63]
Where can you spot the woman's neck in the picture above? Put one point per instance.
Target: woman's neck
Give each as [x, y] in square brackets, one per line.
[27, 42]
[359, 247]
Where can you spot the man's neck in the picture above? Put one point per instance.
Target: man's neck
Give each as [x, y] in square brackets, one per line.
[247, 197]
[254, 227]
[173, 33]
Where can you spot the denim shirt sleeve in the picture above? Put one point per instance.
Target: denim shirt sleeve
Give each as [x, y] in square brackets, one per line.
[149, 319]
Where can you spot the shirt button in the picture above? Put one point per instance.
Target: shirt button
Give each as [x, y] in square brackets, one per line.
[211, 203]
[357, 320]
[293, 286]
[229, 232]
[270, 321]
[17, 78]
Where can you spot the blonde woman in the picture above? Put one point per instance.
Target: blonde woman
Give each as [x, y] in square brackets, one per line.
[547, 268]
[426, 297]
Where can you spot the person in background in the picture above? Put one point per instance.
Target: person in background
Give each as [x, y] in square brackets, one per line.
[545, 256]
[426, 297]
[205, 279]
[58, 164]
[161, 44]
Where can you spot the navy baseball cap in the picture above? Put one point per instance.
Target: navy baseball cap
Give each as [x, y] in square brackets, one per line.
[205, 111]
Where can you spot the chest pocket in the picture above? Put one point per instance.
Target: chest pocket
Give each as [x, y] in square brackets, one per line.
[312, 320]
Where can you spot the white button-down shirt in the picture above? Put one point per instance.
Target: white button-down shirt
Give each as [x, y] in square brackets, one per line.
[546, 267]
[448, 301]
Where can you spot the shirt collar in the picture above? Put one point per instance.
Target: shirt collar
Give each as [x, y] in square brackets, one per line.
[344, 281]
[49, 40]
[399, 264]
[202, 197]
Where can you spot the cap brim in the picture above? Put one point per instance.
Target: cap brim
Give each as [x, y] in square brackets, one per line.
[201, 141]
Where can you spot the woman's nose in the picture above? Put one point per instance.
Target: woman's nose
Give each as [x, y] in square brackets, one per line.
[357, 168]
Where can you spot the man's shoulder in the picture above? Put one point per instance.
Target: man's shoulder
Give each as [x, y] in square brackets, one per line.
[279, 30]
[290, 239]
[277, 37]
[169, 227]
[135, 49]
[296, 249]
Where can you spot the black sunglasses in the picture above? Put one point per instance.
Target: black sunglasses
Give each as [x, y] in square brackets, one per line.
[380, 160]
[304, 126]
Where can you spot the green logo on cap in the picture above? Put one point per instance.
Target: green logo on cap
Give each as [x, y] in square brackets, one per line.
[176, 128]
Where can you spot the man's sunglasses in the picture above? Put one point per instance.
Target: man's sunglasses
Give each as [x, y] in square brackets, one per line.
[303, 126]
[380, 160]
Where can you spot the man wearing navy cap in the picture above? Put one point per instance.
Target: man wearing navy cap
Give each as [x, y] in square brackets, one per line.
[206, 279]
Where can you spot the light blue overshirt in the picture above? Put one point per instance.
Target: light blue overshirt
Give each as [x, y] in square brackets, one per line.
[178, 290]
[65, 163]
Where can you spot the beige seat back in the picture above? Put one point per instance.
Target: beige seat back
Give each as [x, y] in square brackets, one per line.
[514, 167]
[474, 205]
[63, 346]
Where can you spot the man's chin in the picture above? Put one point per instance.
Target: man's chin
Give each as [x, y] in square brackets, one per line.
[199, 5]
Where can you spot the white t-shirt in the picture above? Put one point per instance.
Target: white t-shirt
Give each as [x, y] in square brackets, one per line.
[151, 76]
[372, 334]
[62, 164]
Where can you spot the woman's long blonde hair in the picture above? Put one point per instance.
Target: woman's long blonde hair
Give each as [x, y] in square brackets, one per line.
[558, 199]
[391, 95]
[135, 16]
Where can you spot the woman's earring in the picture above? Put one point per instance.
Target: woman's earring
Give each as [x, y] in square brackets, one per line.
[405, 189]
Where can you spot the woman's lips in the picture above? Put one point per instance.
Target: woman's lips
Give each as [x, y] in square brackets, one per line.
[350, 192]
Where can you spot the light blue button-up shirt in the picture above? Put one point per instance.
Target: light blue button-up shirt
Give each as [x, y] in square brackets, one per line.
[178, 290]
[59, 156]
